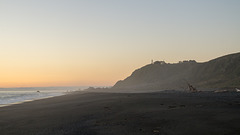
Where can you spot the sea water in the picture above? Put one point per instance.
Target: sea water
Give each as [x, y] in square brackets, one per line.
[9, 96]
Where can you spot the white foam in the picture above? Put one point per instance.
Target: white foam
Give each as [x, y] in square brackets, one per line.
[16, 97]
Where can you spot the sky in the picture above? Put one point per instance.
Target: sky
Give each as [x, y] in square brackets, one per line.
[98, 42]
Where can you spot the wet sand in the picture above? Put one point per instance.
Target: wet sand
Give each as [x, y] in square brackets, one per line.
[160, 113]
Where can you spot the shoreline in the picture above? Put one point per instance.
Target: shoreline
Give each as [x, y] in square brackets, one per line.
[34, 99]
[99, 113]
[31, 100]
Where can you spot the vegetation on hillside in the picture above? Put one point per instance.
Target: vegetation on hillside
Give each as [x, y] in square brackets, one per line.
[220, 73]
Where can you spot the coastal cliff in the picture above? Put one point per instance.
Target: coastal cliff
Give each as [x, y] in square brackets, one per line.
[219, 73]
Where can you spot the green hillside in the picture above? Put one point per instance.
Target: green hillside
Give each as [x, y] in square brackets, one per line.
[220, 73]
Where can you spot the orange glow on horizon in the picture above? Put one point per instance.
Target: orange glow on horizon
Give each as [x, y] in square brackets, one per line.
[80, 43]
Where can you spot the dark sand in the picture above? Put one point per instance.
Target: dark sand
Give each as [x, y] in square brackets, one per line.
[166, 113]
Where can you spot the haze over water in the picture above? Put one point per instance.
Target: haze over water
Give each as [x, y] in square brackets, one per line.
[17, 95]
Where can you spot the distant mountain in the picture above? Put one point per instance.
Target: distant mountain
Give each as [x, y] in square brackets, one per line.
[219, 73]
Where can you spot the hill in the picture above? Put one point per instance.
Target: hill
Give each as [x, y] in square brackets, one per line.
[219, 73]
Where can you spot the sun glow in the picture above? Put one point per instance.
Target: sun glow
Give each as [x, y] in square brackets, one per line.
[85, 43]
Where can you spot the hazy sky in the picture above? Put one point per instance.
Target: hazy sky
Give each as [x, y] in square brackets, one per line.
[97, 42]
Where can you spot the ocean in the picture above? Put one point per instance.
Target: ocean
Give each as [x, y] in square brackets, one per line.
[9, 96]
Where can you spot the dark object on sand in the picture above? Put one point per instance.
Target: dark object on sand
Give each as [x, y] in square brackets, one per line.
[191, 88]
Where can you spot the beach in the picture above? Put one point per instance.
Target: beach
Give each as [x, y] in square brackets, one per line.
[106, 113]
